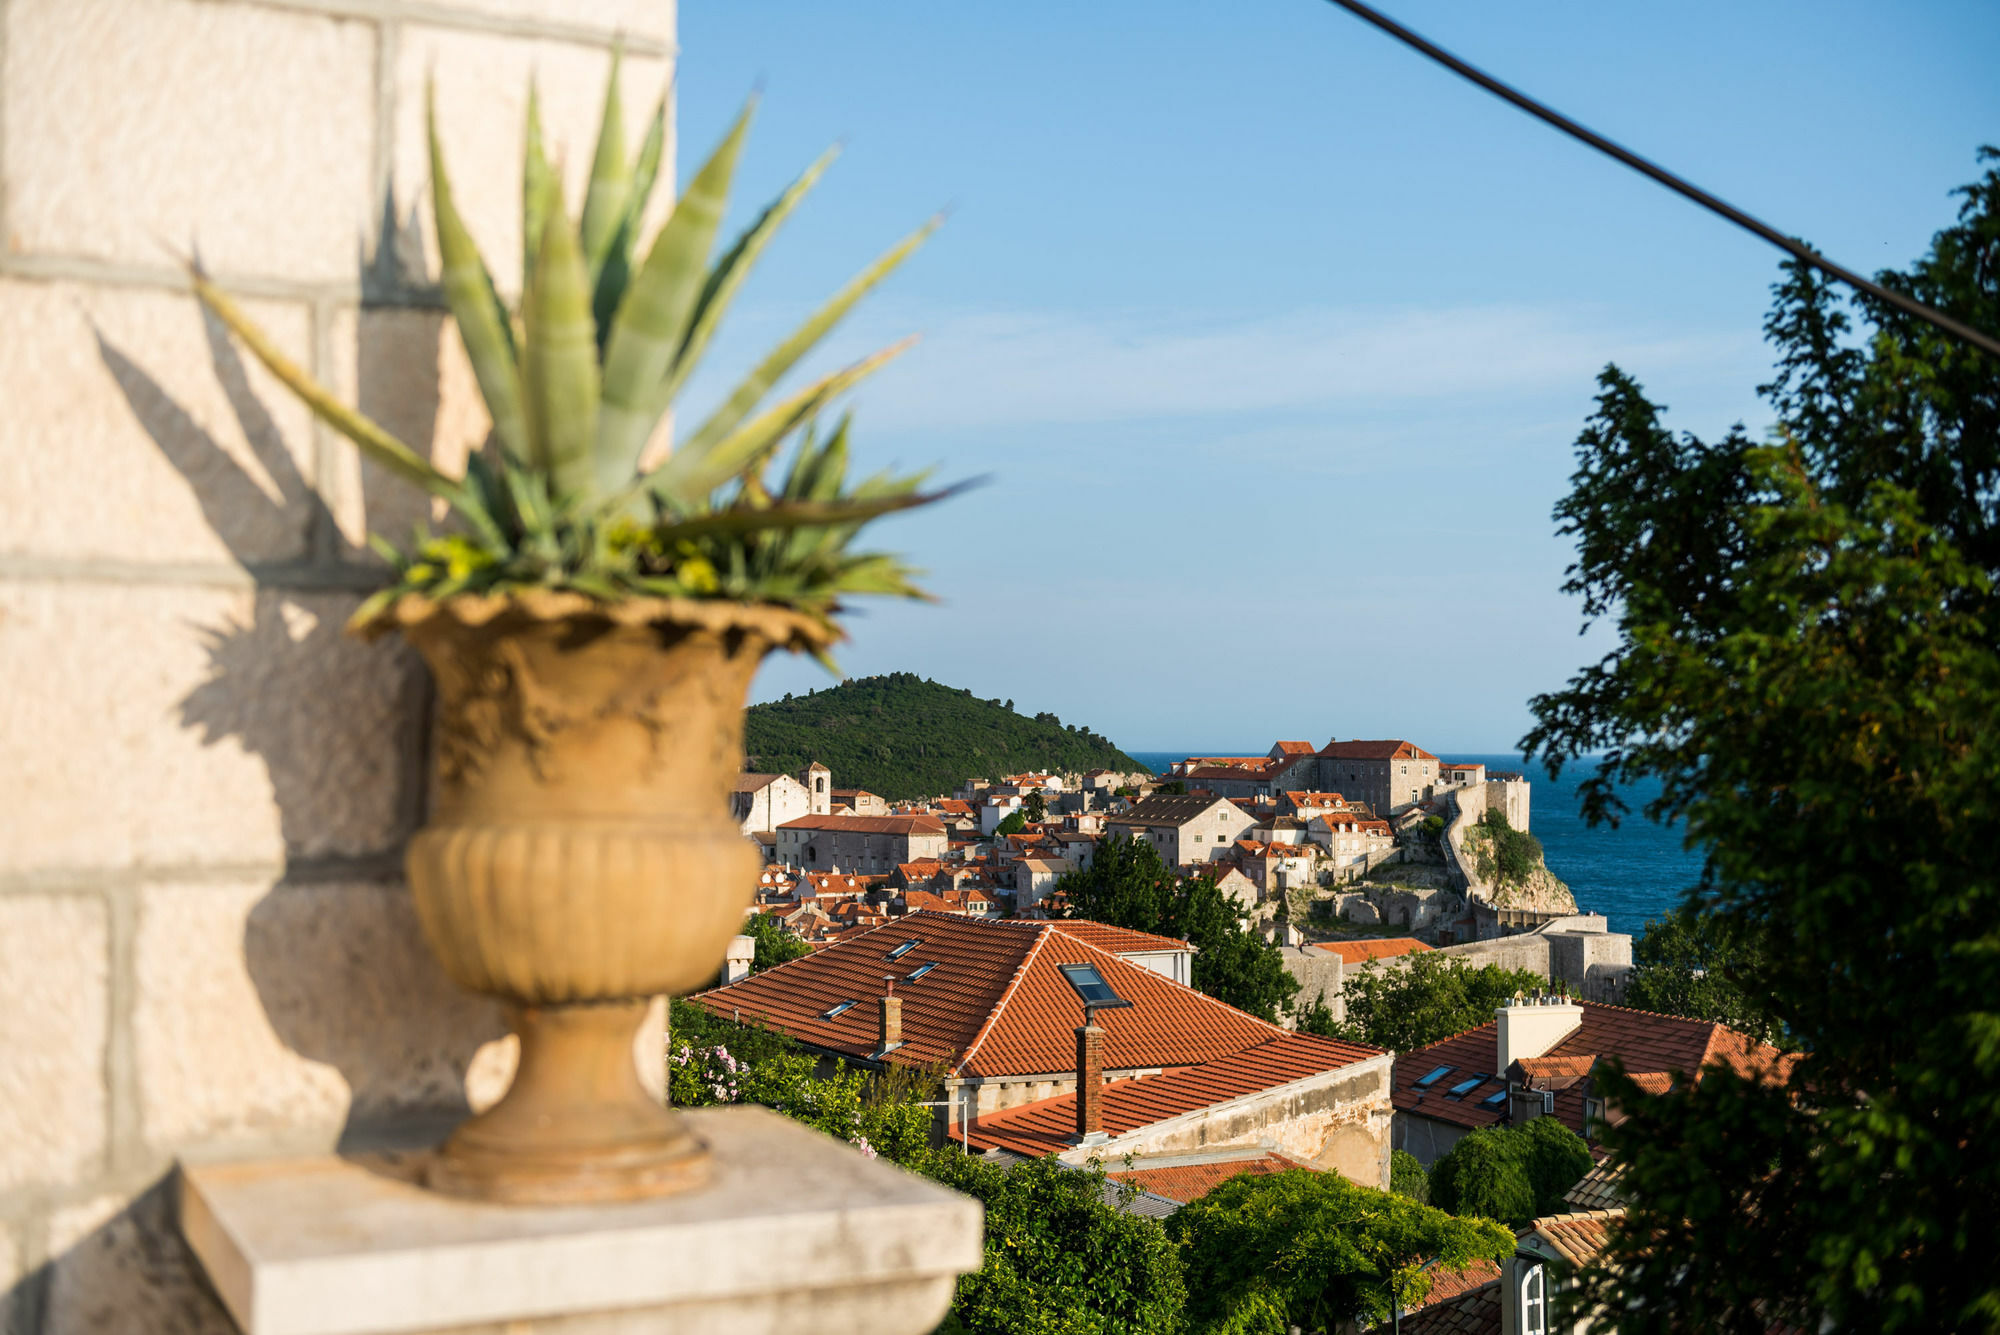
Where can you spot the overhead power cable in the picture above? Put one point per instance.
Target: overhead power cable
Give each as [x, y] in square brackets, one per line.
[1680, 186]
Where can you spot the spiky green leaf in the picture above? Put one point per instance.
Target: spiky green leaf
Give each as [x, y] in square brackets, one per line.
[752, 389]
[559, 364]
[650, 323]
[538, 184]
[610, 189]
[689, 474]
[483, 323]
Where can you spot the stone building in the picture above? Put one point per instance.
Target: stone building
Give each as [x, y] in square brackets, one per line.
[867, 845]
[1183, 829]
[763, 802]
[1390, 776]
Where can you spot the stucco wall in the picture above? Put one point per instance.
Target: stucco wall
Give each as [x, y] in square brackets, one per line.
[204, 941]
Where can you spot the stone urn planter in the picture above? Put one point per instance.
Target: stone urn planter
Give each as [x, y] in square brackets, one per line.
[580, 860]
[593, 615]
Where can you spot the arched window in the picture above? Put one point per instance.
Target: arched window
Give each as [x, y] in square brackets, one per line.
[1534, 1300]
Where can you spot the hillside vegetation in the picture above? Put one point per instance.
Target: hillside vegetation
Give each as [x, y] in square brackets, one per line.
[903, 736]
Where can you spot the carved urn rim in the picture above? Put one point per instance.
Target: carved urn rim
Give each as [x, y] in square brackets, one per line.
[783, 627]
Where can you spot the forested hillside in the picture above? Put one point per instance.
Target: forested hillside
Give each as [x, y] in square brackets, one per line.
[903, 736]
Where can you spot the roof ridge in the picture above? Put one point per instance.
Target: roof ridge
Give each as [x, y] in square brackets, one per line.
[1277, 1030]
[993, 1016]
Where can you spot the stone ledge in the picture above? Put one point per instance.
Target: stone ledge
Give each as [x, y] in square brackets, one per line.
[792, 1223]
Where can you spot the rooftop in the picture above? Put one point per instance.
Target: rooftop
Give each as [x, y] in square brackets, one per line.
[1165, 809]
[922, 824]
[1376, 750]
[1183, 1181]
[1378, 948]
[996, 1004]
[1047, 1126]
[1644, 1041]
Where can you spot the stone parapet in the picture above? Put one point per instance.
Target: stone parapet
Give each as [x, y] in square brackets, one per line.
[794, 1232]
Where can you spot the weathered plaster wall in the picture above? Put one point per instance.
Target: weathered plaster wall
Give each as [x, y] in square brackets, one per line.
[1339, 1121]
[204, 942]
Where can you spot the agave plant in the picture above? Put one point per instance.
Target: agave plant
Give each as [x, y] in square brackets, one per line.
[578, 380]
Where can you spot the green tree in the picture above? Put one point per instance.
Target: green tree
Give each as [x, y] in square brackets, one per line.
[1513, 1174]
[775, 943]
[1127, 885]
[1504, 854]
[1060, 1257]
[1035, 807]
[1407, 1177]
[1699, 965]
[1805, 661]
[1418, 999]
[1316, 1017]
[1013, 823]
[1313, 1250]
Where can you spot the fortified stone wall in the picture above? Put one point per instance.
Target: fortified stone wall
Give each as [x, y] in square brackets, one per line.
[205, 944]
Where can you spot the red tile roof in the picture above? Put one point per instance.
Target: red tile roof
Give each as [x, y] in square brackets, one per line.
[1293, 748]
[1382, 948]
[1577, 1238]
[1192, 1181]
[1119, 940]
[924, 824]
[1376, 750]
[996, 1004]
[1474, 1313]
[1047, 1125]
[1449, 1284]
[1644, 1041]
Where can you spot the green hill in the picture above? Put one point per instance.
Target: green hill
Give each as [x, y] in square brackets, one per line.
[903, 736]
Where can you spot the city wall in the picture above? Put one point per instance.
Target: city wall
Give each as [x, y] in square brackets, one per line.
[205, 943]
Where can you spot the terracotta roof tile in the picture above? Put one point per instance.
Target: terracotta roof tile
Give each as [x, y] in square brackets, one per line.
[1576, 1237]
[996, 1004]
[1644, 1041]
[1597, 1189]
[1046, 1125]
[867, 824]
[1449, 1284]
[1359, 952]
[1376, 750]
[1119, 940]
[1474, 1313]
[1192, 1181]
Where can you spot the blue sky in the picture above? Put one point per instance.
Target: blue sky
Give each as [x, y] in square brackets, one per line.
[1274, 338]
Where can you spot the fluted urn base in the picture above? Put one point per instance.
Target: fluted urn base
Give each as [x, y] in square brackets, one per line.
[576, 1125]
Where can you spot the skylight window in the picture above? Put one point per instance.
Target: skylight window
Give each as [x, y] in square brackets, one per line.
[1089, 985]
[1436, 1075]
[1464, 1087]
[919, 972]
[839, 1010]
[905, 948]
[1494, 1099]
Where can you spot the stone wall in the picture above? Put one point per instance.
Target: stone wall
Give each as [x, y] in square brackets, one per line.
[205, 945]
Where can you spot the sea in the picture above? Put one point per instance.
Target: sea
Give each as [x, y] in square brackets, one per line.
[1631, 874]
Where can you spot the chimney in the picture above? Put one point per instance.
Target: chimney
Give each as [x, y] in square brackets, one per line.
[1530, 1026]
[888, 1021]
[737, 958]
[1090, 1085]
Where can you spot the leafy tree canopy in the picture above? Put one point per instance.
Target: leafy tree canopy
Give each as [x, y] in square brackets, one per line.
[1418, 999]
[904, 737]
[1511, 1173]
[1700, 965]
[1407, 1177]
[1313, 1250]
[1127, 885]
[1060, 1258]
[775, 944]
[1013, 823]
[1035, 807]
[1805, 661]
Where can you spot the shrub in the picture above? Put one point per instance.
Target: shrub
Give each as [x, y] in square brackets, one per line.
[1407, 1177]
[1513, 1174]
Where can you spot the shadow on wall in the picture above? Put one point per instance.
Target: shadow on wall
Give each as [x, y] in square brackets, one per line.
[332, 949]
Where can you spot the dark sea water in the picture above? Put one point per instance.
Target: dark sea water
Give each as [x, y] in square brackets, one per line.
[1629, 874]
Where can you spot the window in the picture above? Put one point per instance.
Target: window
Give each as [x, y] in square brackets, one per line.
[1197, 838]
[1494, 1100]
[905, 948]
[1534, 1305]
[1464, 1087]
[919, 972]
[839, 1010]
[1089, 984]
[1435, 1076]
